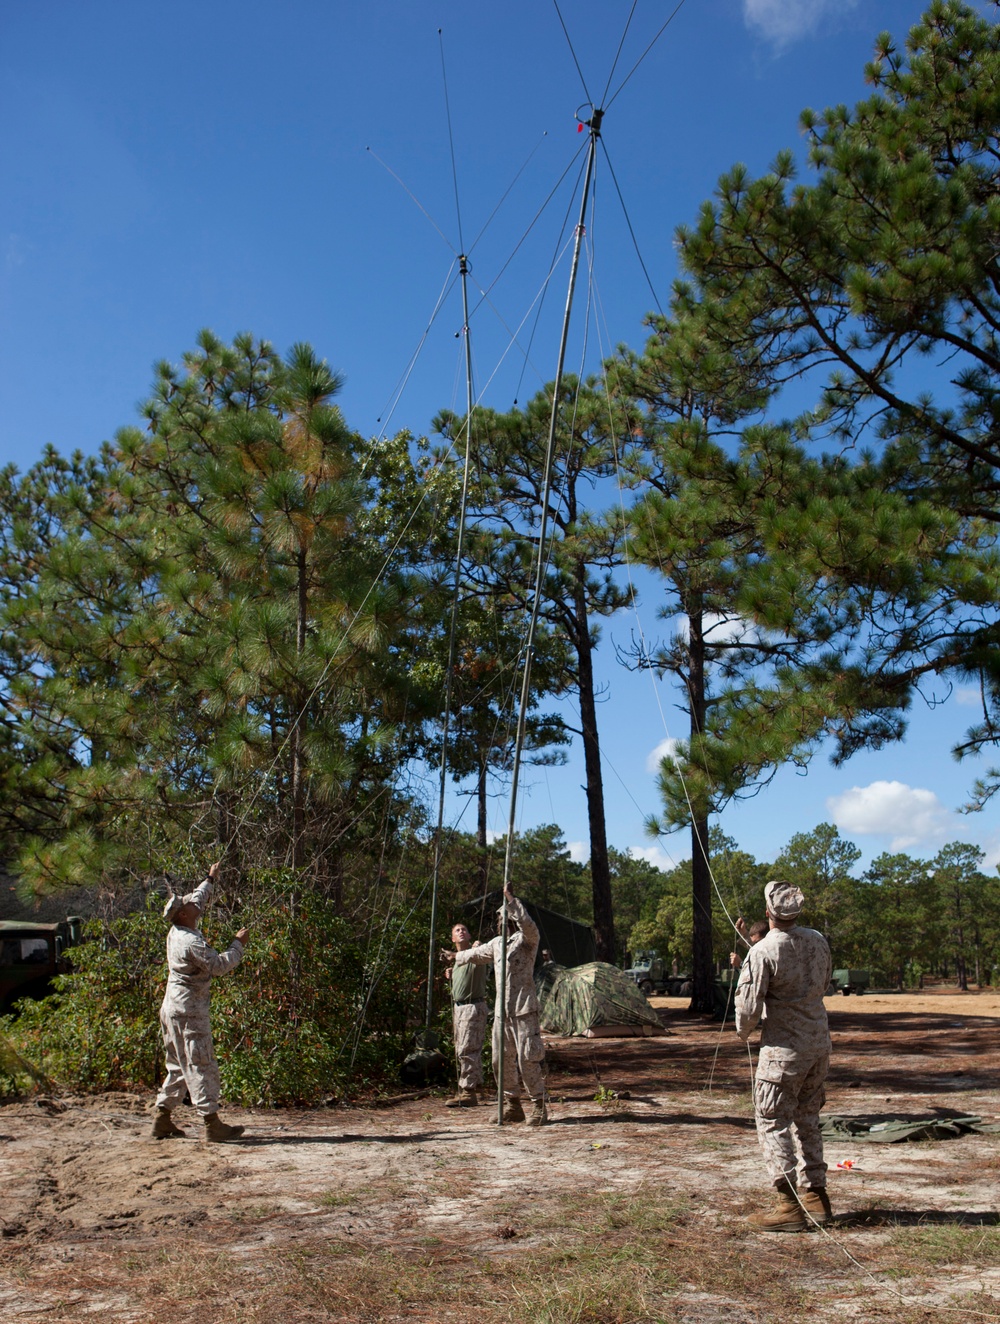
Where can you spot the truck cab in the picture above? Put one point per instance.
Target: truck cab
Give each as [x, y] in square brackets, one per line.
[30, 954]
[647, 971]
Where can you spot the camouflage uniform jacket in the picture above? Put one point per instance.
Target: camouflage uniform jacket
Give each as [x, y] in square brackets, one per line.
[192, 963]
[521, 948]
[788, 972]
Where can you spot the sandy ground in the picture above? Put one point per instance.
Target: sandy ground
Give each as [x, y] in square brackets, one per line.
[87, 1193]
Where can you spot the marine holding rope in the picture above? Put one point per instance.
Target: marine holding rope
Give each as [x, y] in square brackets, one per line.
[784, 978]
[524, 1050]
[184, 1016]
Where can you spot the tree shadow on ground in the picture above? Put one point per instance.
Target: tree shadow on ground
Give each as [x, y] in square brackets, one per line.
[658, 1119]
[918, 1218]
[345, 1138]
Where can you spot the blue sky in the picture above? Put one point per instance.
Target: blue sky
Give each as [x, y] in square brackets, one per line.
[232, 166]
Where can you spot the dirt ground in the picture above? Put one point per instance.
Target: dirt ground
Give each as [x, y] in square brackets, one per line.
[629, 1207]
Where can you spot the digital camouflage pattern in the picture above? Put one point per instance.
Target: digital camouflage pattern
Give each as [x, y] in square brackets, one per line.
[469, 1028]
[784, 980]
[184, 1015]
[524, 1051]
[585, 997]
[523, 1055]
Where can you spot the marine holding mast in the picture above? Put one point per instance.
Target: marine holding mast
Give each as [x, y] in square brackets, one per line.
[524, 1051]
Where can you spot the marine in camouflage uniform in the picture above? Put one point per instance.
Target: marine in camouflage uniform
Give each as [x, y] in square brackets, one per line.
[468, 1017]
[524, 1051]
[783, 982]
[192, 1066]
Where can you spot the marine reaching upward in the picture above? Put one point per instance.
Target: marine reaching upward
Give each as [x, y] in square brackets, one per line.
[468, 1015]
[524, 1050]
[184, 1016]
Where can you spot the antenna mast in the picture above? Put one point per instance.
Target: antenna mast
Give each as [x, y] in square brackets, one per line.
[463, 266]
[594, 125]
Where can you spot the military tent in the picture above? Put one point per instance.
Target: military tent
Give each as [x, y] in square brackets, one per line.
[593, 1000]
[569, 941]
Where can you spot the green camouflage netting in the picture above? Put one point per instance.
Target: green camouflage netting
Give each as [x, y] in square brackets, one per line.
[594, 998]
[892, 1130]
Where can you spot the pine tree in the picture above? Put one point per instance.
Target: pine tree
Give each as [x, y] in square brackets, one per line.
[579, 585]
[877, 285]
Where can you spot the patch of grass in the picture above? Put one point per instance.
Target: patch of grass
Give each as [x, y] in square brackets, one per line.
[247, 1213]
[335, 1199]
[945, 1243]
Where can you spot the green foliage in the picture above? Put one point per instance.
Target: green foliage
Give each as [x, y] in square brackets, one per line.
[666, 922]
[544, 872]
[820, 862]
[312, 1010]
[218, 613]
[875, 284]
[636, 886]
[584, 548]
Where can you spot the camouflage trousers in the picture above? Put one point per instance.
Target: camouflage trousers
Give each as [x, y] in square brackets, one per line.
[523, 1055]
[468, 1021]
[191, 1063]
[787, 1097]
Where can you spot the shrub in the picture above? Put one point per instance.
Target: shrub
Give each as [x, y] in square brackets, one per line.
[314, 1008]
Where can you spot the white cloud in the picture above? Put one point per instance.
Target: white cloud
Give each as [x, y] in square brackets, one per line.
[909, 815]
[969, 696]
[578, 851]
[721, 630]
[654, 855]
[782, 22]
[657, 755]
[991, 859]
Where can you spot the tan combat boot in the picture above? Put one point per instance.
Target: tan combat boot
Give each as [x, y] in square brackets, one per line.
[786, 1216]
[218, 1130]
[163, 1126]
[465, 1098]
[512, 1110]
[539, 1113]
[816, 1203]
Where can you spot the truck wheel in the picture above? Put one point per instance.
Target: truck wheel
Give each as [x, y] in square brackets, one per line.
[646, 988]
[846, 992]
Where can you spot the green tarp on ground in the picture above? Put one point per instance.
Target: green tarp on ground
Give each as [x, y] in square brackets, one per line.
[895, 1129]
[593, 1000]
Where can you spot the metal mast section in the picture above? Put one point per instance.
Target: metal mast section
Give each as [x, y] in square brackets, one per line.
[594, 125]
[463, 267]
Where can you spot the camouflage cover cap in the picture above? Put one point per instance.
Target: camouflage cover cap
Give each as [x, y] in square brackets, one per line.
[784, 901]
[175, 902]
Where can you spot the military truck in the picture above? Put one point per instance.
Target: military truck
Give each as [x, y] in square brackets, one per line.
[850, 981]
[648, 972]
[30, 954]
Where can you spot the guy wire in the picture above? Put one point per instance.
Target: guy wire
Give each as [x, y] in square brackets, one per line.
[628, 76]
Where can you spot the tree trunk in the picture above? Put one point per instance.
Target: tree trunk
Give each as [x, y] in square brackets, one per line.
[600, 868]
[702, 971]
[296, 743]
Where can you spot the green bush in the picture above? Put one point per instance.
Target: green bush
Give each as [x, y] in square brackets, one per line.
[314, 1009]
